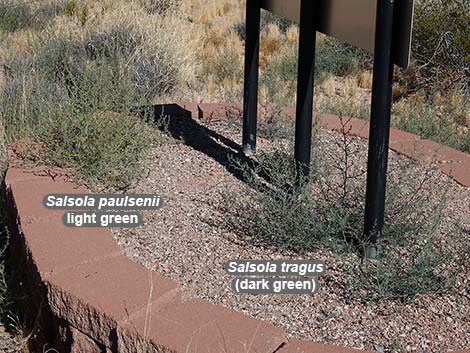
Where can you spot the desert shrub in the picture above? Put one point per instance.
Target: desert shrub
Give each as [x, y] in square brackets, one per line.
[14, 15]
[89, 126]
[103, 147]
[19, 14]
[276, 125]
[327, 212]
[274, 215]
[402, 275]
[76, 90]
[435, 117]
[441, 43]
[146, 50]
[266, 19]
[280, 215]
[27, 100]
[336, 58]
[160, 6]
[345, 106]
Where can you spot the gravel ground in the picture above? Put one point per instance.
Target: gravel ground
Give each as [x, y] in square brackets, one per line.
[10, 343]
[183, 241]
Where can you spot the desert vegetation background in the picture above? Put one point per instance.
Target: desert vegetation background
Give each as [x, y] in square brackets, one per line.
[78, 77]
[66, 63]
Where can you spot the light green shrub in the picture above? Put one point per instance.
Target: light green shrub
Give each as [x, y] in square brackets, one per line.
[78, 88]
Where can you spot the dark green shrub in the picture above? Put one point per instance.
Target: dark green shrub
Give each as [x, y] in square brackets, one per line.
[283, 23]
[416, 269]
[328, 213]
[336, 58]
[441, 42]
[266, 19]
[160, 6]
[19, 14]
[14, 15]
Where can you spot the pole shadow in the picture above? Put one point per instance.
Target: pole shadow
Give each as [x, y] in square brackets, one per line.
[181, 126]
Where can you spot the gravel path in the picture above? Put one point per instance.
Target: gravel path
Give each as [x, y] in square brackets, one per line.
[10, 343]
[182, 240]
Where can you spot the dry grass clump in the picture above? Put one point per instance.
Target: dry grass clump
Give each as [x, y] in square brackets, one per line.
[213, 13]
[223, 66]
[161, 49]
[279, 77]
[364, 79]
[158, 51]
[270, 43]
[95, 60]
[441, 117]
[160, 6]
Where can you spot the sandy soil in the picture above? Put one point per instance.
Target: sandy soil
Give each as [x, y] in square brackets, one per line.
[184, 240]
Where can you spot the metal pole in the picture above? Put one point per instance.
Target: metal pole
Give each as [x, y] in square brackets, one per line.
[379, 129]
[305, 81]
[250, 93]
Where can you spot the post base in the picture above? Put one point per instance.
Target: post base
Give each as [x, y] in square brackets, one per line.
[248, 149]
[373, 251]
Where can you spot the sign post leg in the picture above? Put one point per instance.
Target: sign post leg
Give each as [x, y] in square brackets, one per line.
[379, 129]
[305, 82]
[250, 93]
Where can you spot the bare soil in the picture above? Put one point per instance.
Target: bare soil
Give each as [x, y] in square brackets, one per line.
[185, 241]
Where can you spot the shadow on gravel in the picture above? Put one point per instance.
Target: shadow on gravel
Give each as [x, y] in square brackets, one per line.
[181, 126]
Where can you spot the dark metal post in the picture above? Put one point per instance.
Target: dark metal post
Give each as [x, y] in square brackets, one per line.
[250, 93]
[305, 81]
[379, 128]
